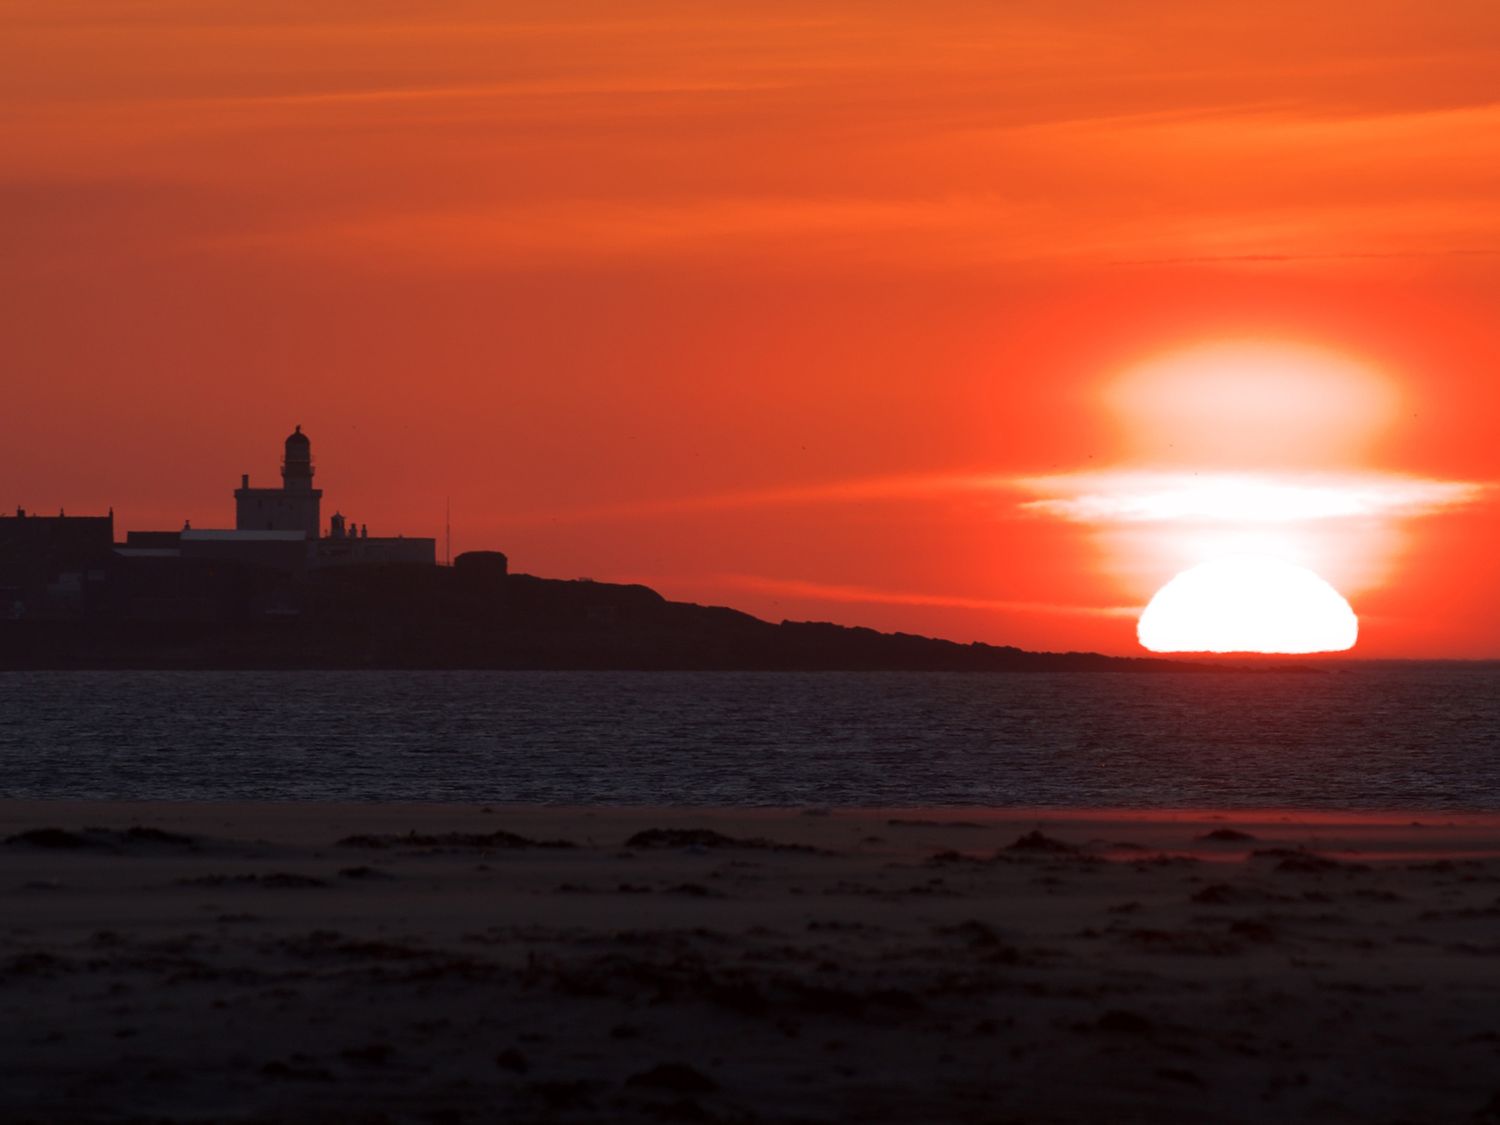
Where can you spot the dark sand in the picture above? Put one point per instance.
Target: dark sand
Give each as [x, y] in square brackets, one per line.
[892, 966]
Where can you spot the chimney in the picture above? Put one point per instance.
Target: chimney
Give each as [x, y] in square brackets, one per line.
[244, 480]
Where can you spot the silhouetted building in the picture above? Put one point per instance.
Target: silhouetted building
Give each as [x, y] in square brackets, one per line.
[350, 544]
[295, 506]
[284, 551]
[152, 540]
[368, 550]
[64, 566]
[53, 566]
[479, 567]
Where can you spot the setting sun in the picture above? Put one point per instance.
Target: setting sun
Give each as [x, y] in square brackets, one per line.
[1248, 605]
[750, 560]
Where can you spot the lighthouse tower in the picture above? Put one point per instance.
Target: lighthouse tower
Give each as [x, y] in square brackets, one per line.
[295, 506]
[296, 465]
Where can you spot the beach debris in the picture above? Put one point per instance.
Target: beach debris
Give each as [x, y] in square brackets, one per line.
[364, 872]
[1492, 911]
[694, 890]
[984, 940]
[512, 1060]
[1178, 1074]
[972, 931]
[299, 1068]
[1223, 894]
[1216, 894]
[949, 855]
[288, 879]
[1301, 862]
[112, 838]
[565, 1093]
[1036, 841]
[332, 943]
[496, 839]
[276, 880]
[34, 962]
[1198, 943]
[842, 926]
[1226, 836]
[708, 838]
[677, 1077]
[899, 822]
[1164, 859]
[390, 962]
[1251, 930]
[144, 834]
[51, 838]
[851, 1003]
[370, 1054]
[1444, 866]
[1120, 1021]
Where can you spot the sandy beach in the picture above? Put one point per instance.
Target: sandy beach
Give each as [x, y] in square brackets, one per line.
[429, 963]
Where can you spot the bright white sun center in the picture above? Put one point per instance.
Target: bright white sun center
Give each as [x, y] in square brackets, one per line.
[1247, 605]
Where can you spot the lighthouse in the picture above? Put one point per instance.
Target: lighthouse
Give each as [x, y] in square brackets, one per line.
[295, 506]
[296, 463]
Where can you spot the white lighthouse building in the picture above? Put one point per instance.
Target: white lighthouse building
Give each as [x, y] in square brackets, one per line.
[295, 506]
[282, 528]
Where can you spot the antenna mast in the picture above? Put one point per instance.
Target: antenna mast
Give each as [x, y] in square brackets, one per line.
[448, 531]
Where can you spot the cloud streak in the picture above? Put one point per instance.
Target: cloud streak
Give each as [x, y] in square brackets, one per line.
[1107, 497]
[746, 133]
[878, 489]
[1242, 498]
[844, 593]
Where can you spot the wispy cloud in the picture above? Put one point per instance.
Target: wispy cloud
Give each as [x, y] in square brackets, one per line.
[1161, 497]
[876, 489]
[474, 137]
[1122, 496]
[837, 592]
[764, 229]
[1276, 259]
[483, 91]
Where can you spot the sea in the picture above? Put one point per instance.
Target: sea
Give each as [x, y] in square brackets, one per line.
[1357, 736]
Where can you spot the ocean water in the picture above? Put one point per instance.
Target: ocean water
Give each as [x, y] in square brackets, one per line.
[1373, 736]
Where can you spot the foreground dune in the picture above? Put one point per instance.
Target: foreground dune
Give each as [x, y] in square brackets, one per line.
[426, 963]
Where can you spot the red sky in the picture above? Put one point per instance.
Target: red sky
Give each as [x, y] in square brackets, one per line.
[741, 299]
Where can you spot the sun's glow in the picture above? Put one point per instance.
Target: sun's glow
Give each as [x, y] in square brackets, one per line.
[1248, 604]
[1253, 403]
[1124, 496]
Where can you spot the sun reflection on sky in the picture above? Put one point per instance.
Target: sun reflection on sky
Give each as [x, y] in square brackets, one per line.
[1248, 448]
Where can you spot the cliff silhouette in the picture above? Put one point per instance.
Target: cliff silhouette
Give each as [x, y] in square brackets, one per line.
[403, 616]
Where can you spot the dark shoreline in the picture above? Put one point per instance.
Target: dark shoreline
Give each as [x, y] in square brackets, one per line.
[398, 617]
[307, 646]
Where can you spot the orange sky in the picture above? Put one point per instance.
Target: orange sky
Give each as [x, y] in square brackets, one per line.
[742, 299]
